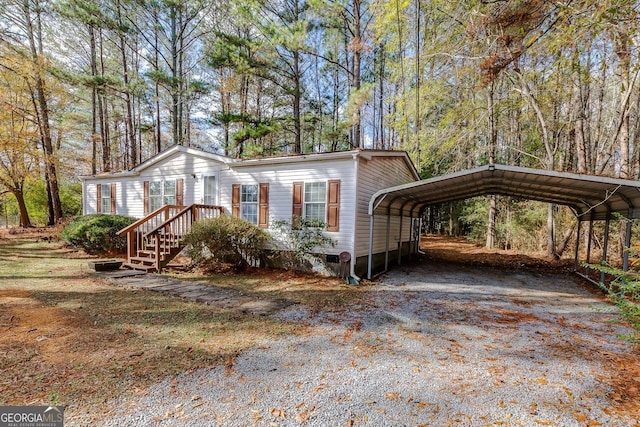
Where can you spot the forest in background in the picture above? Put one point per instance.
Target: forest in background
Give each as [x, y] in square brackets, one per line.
[91, 86]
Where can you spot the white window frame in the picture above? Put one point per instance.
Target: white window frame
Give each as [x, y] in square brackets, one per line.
[216, 195]
[156, 201]
[168, 198]
[249, 205]
[307, 205]
[105, 198]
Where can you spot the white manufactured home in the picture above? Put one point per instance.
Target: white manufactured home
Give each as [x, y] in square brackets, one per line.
[334, 187]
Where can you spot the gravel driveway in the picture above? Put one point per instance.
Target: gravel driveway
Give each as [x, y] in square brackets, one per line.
[433, 346]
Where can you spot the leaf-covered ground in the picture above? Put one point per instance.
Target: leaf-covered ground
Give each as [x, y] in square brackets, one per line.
[70, 338]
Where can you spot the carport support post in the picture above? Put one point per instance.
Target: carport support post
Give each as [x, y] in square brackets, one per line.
[588, 261]
[400, 242]
[605, 244]
[370, 260]
[627, 243]
[386, 253]
[576, 264]
[411, 226]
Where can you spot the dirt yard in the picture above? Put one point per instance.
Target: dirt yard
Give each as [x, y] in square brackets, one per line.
[73, 339]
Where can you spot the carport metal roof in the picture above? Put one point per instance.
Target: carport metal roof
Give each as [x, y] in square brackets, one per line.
[590, 197]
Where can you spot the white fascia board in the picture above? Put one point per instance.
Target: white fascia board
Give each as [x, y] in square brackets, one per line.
[301, 158]
[160, 157]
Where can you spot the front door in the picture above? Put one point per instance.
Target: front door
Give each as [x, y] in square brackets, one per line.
[209, 190]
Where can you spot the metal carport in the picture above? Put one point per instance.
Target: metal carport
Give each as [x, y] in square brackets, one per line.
[591, 198]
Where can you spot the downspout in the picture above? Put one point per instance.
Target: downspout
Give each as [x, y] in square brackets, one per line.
[354, 255]
[370, 260]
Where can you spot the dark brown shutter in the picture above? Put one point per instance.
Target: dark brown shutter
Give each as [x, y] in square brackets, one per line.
[298, 188]
[180, 192]
[235, 200]
[263, 205]
[333, 205]
[146, 198]
[99, 197]
[113, 197]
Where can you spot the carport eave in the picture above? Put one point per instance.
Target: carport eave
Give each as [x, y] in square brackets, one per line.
[611, 194]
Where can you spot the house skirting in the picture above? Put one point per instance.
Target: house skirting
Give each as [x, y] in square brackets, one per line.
[380, 262]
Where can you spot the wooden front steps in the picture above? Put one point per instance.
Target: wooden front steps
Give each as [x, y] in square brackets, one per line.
[153, 241]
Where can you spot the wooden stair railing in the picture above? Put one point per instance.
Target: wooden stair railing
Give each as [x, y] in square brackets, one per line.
[153, 241]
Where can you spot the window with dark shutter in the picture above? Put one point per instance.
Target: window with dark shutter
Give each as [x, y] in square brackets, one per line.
[99, 198]
[180, 192]
[263, 208]
[146, 198]
[113, 197]
[235, 200]
[333, 205]
[297, 198]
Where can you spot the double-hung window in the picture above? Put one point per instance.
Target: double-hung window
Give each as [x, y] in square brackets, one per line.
[161, 193]
[249, 202]
[169, 195]
[315, 201]
[105, 198]
[318, 201]
[155, 195]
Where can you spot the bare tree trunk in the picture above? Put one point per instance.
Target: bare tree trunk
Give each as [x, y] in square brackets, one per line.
[357, 60]
[156, 66]
[42, 108]
[381, 78]
[579, 121]
[103, 114]
[297, 145]
[493, 137]
[550, 158]
[18, 193]
[94, 100]
[130, 138]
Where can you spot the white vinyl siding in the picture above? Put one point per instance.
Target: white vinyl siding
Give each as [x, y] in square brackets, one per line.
[380, 171]
[281, 178]
[374, 175]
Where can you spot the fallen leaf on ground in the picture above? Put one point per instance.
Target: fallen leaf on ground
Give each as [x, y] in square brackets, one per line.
[392, 395]
[302, 417]
[278, 413]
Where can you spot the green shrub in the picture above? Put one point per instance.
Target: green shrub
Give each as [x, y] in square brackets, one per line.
[97, 233]
[300, 238]
[624, 290]
[226, 239]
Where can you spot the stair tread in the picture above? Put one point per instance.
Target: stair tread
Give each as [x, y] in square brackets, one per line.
[142, 259]
[141, 267]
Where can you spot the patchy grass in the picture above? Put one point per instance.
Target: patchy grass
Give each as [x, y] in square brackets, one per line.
[316, 292]
[69, 337]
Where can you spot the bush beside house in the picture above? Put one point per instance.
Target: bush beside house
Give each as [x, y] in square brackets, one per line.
[97, 233]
